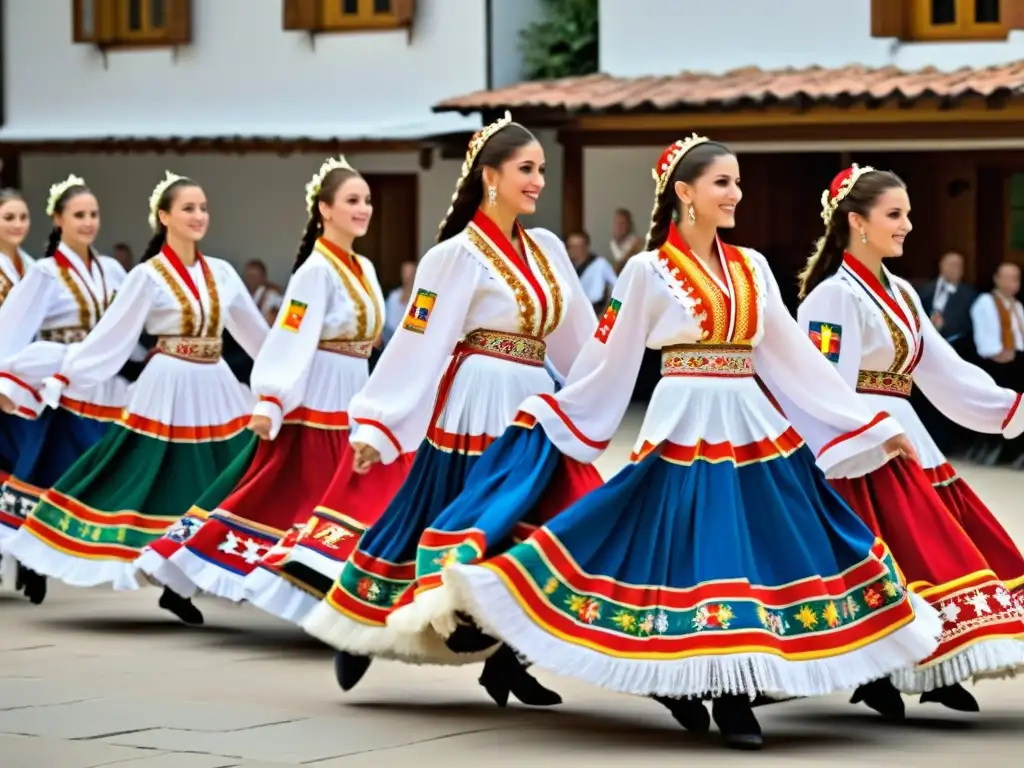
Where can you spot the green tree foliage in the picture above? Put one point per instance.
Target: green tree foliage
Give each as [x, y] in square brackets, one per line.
[564, 42]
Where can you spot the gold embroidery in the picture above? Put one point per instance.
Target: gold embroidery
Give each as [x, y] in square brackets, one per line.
[714, 323]
[899, 343]
[363, 330]
[84, 314]
[707, 360]
[509, 345]
[547, 276]
[527, 309]
[745, 295]
[884, 383]
[6, 284]
[350, 348]
[188, 312]
[912, 305]
[69, 334]
[213, 328]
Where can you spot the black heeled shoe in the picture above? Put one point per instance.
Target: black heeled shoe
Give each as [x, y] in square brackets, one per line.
[182, 607]
[349, 669]
[504, 674]
[881, 695]
[736, 721]
[688, 712]
[32, 584]
[954, 697]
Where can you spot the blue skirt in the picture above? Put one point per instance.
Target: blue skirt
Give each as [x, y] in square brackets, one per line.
[685, 575]
[46, 448]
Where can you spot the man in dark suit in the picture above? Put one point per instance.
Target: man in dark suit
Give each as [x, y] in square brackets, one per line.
[947, 301]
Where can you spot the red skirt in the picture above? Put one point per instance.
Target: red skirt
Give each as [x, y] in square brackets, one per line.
[284, 482]
[944, 565]
[311, 555]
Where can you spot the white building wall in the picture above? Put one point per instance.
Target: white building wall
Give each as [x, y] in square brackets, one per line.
[645, 37]
[509, 17]
[243, 75]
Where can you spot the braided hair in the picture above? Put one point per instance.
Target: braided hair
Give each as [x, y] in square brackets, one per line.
[332, 182]
[58, 208]
[666, 205]
[469, 189]
[829, 250]
[166, 202]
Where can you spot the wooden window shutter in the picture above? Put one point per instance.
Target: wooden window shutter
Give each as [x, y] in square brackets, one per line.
[302, 14]
[1013, 13]
[179, 22]
[405, 11]
[889, 18]
[103, 17]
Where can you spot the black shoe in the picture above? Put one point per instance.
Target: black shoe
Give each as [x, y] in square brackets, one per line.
[504, 674]
[736, 722]
[349, 669]
[688, 712]
[954, 697]
[34, 585]
[182, 607]
[881, 695]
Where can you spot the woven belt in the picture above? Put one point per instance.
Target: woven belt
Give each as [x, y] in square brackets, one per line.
[885, 383]
[508, 346]
[347, 347]
[725, 360]
[68, 335]
[193, 349]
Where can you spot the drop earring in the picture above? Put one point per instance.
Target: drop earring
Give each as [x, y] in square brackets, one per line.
[864, 237]
[691, 216]
[492, 195]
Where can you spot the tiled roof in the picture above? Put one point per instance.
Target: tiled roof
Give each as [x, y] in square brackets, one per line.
[750, 87]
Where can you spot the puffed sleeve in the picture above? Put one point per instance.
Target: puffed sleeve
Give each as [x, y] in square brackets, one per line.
[802, 378]
[988, 337]
[109, 344]
[390, 413]
[243, 319]
[581, 418]
[282, 366]
[579, 323]
[962, 391]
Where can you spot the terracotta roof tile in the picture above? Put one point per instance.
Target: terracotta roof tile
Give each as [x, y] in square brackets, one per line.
[751, 86]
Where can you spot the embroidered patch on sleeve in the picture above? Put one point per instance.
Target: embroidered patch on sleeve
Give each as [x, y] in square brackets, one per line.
[419, 311]
[604, 328]
[292, 318]
[827, 338]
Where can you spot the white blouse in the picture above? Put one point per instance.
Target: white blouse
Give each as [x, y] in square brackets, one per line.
[9, 276]
[324, 301]
[464, 284]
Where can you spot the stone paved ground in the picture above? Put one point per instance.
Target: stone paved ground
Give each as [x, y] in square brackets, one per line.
[93, 678]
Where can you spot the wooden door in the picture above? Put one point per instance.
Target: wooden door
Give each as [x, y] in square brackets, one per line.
[393, 236]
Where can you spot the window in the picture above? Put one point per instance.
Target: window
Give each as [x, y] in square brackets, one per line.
[944, 20]
[1016, 217]
[126, 23]
[348, 15]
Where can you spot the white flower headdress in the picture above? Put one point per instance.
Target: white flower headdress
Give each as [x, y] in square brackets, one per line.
[58, 189]
[317, 182]
[154, 199]
[847, 180]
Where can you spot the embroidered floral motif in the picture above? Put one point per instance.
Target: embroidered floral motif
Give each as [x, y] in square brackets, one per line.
[548, 279]
[884, 383]
[84, 315]
[190, 325]
[364, 330]
[369, 589]
[706, 360]
[507, 345]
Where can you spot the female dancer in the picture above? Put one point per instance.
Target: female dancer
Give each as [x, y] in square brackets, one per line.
[313, 361]
[949, 546]
[14, 226]
[495, 299]
[719, 562]
[183, 424]
[60, 299]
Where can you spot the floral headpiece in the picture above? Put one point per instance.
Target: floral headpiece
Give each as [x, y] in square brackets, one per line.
[58, 190]
[476, 145]
[670, 158]
[316, 183]
[840, 187]
[154, 199]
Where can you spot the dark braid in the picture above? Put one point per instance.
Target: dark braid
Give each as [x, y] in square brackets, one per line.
[661, 219]
[155, 244]
[314, 228]
[468, 196]
[52, 242]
